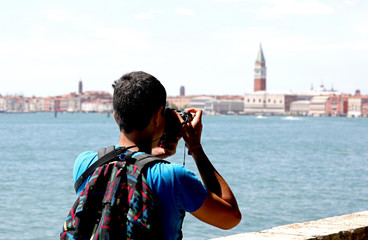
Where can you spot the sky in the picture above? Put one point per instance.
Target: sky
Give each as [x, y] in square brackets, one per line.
[207, 46]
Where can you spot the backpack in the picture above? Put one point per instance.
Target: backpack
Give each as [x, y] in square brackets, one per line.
[117, 202]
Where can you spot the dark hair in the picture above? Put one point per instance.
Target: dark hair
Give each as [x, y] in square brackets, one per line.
[137, 96]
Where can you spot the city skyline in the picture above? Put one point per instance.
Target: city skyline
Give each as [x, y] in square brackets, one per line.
[208, 46]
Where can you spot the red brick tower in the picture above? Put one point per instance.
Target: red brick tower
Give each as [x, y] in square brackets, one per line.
[260, 72]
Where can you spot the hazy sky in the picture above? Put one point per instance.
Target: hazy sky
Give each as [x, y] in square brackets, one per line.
[208, 46]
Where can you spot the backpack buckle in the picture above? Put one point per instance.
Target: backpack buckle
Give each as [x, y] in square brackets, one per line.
[128, 158]
[120, 150]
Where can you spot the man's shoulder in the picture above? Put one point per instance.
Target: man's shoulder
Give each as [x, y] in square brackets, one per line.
[85, 159]
[169, 171]
[86, 154]
[167, 167]
[82, 162]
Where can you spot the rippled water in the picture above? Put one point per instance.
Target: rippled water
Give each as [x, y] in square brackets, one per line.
[282, 170]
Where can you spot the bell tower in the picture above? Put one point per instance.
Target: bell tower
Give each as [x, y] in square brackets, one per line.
[80, 87]
[260, 72]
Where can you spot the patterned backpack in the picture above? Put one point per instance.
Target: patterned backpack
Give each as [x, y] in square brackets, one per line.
[117, 202]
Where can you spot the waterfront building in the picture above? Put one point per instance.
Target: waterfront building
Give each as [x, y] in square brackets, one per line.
[16, 104]
[300, 107]
[365, 109]
[357, 105]
[12, 104]
[318, 106]
[224, 105]
[337, 105]
[37, 103]
[29, 106]
[268, 103]
[97, 105]
[201, 102]
[49, 104]
[2, 105]
[95, 101]
[70, 103]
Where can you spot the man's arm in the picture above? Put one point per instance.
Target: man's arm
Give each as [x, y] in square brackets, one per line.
[220, 208]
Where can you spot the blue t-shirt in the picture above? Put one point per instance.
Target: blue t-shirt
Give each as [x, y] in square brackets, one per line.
[176, 189]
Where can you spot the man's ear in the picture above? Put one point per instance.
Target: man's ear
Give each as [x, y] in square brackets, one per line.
[115, 118]
[156, 117]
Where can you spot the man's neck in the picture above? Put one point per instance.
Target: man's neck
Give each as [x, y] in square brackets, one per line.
[134, 139]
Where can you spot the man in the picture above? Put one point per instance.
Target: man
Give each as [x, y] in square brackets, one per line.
[139, 109]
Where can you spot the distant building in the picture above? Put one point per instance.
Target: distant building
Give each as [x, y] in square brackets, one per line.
[70, 103]
[2, 105]
[98, 105]
[260, 72]
[37, 103]
[182, 91]
[262, 102]
[337, 105]
[49, 104]
[224, 105]
[200, 101]
[29, 105]
[318, 106]
[12, 104]
[357, 105]
[365, 110]
[300, 107]
[80, 87]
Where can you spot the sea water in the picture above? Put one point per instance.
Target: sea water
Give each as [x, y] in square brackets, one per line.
[282, 170]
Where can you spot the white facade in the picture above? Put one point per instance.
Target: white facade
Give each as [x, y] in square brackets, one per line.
[29, 106]
[300, 107]
[214, 106]
[96, 106]
[200, 102]
[355, 106]
[71, 104]
[224, 106]
[262, 102]
[318, 106]
[2, 105]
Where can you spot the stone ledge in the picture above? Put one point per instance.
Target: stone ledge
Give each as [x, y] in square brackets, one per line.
[346, 227]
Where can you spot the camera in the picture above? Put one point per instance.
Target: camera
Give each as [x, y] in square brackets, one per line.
[173, 124]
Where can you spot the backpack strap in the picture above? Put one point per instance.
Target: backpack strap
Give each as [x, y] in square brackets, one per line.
[146, 159]
[105, 155]
[103, 151]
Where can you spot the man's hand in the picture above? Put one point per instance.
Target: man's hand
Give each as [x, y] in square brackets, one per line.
[192, 130]
[166, 147]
